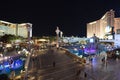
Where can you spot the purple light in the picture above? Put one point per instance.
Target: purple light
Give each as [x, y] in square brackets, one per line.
[90, 50]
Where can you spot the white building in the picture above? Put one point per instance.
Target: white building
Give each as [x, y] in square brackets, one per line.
[15, 29]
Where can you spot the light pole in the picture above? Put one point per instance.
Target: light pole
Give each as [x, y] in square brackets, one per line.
[29, 27]
[57, 35]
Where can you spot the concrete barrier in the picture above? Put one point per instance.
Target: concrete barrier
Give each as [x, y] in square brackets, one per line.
[73, 56]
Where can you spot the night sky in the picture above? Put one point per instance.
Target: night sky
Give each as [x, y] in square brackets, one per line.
[70, 16]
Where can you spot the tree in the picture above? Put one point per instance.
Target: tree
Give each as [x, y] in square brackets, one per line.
[7, 38]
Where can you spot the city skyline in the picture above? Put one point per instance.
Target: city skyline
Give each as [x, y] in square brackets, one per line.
[71, 17]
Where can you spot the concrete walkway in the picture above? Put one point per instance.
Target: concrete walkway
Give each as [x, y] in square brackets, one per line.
[98, 70]
[54, 64]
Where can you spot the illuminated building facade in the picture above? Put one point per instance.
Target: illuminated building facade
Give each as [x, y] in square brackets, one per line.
[104, 28]
[24, 29]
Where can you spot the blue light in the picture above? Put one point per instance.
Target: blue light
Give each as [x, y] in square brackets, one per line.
[17, 64]
[7, 67]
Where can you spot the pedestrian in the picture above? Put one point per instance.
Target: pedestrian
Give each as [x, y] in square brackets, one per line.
[78, 72]
[103, 59]
[54, 63]
[85, 75]
[90, 59]
[116, 59]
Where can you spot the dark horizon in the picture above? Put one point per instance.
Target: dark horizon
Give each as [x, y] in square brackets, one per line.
[71, 17]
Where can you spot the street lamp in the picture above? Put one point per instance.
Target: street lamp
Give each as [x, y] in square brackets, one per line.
[29, 27]
[57, 35]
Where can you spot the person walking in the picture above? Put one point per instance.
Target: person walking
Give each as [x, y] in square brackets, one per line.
[78, 72]
[85, 76]
[54, 64]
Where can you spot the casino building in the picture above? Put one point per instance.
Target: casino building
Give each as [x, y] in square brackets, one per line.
[24, 29]
[106, 27]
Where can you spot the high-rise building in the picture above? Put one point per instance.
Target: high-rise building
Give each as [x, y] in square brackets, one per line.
[105, 27]
[24, 29]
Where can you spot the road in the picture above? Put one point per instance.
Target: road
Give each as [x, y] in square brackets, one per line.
[53, 64]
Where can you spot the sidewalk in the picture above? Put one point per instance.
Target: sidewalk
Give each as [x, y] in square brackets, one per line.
[98, 70]
[64, 65]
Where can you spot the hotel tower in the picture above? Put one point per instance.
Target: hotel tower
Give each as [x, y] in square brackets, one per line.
[104, 28]
[24, 29]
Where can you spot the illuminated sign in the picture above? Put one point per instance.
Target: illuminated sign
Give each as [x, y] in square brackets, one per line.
[91, 40]
[108, 29]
